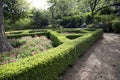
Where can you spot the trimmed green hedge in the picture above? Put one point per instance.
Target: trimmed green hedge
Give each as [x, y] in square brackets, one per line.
[50, 64]
[27, 34]
[17, 34]
[71, 31]
[57, 38]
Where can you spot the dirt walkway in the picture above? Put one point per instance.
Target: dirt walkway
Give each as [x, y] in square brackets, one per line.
[100, 62]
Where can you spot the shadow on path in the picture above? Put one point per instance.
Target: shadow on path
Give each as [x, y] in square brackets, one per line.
[100, 62]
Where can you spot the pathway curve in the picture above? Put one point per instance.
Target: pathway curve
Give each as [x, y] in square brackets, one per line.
[100, 62]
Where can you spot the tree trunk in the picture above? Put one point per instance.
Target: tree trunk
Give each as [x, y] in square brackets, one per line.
[4, 45]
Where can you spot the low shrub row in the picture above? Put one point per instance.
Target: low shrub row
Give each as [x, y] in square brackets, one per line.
[17, 34]
[57, 38]
[50, 64]
[27, 34]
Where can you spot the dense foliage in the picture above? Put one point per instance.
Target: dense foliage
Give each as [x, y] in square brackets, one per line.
[116, 25]
[40, 19]
[69, 14]
[72, 21]
[15, 9]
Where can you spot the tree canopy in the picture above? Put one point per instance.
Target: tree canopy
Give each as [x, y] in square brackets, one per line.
[15, 9]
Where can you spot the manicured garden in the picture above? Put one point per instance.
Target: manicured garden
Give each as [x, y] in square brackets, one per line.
[40, 39]
[45, 54]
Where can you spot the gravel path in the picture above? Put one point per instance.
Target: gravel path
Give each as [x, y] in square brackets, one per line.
[100, 62]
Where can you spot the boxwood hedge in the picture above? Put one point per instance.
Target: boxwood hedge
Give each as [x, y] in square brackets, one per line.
[48, 65]
[17, 34]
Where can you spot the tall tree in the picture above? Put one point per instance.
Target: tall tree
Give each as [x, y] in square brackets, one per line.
[60, 8]
[4, 45]
[95, 6]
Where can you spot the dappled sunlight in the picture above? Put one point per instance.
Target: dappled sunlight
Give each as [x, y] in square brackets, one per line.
[118, 51]
[100, 62]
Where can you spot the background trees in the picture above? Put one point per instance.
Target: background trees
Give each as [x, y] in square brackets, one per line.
[72, 13]
[40, 18]
[95, 6]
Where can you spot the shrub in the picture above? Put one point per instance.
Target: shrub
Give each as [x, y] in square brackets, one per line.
[7, 23]
[26, 33]
[116, 26]
[72, 21]
[57, 38]
[104, 18]
[40, 19]
[37, 30]
[53, 62]
[106, 11]
[88, 18]
[23, 23]
[104, 21]
[69, 31]
[91, 26]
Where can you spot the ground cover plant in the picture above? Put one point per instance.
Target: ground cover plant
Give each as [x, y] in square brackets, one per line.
[24, 47]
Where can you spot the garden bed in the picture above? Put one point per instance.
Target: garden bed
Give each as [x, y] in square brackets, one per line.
[24, 47]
